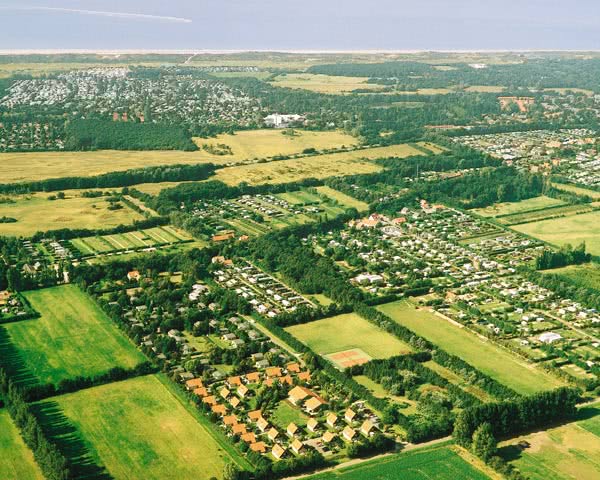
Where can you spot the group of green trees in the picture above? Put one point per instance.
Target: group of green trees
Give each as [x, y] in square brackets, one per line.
[567, 255]
[94, 134]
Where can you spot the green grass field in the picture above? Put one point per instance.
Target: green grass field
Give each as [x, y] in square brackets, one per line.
[347, 331]
[570, 451]
[481, 353]
[285, 413]
[151, 434]
[572, 229]
[34, 213]
[73, 337]
[318, 166]
[334, 84]
[510, 208]
[441, 463]
[342, 198]
[578, 190]
[16, 460]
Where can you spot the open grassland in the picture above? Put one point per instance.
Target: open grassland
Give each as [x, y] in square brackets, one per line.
[34, 213]
[578, 190]
[432, 147]
[141, 239]
[244, 145]
[441, 463]
[16, 460]
[559, 211]
[153, 433]
[586, 275]
[318, 166]
[565, 91]
[73, 337]
[266, 143]
[343, 199]
[572, 229]
[570, 451]
[479, 352]
[324, 83]
[345, 332]
[511, 208]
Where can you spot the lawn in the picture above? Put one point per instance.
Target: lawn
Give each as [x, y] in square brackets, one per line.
[481, 353]
[343, 199]
[570, 451]
[34, 213]
[73, 337]
[441, 463]
[152, 434]
[510, 208]
[345, 332]
[16, 460]
[286, 413]
[573, 229]
[335, 84]
[318, 166]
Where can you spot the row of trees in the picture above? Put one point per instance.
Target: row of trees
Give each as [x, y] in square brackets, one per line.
[51, 461]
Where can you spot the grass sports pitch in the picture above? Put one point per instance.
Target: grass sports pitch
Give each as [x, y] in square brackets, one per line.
[346, 332]
[72, 338]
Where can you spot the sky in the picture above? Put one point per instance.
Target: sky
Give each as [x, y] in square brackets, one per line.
[300, 24]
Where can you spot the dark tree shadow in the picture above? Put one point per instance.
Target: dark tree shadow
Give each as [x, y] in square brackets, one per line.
[67, 438]
[13, 363]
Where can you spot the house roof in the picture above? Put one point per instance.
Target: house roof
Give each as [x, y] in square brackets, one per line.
[194, 383]
[292, 428]
[234, 380]
[293, 367]
[258, 447]
[297, 445]
[304, 376]
[297, 394]
[367, 426]
[278, 451]
[248, 437]
[201, 392]
[273, 372]
[312, 424]
[211, 400]
[242, 390]
[224, 392]
[349, 433]
[230, 420]
[234, 401]
[253, 377]
[328, 436]
[331, 418]
[219, 409]
[255, 415]
[313, 404]
[273, 433]
[239, 429]
[262, 424]
[349, 414]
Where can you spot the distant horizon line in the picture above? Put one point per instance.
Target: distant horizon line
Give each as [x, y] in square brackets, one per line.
[134, 51]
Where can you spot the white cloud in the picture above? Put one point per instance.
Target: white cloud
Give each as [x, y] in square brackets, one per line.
[134, 16]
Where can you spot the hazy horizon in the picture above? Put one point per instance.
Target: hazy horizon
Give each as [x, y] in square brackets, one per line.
[268, 25]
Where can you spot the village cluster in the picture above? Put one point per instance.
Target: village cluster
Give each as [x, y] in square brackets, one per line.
[248, 385]
[475, 283]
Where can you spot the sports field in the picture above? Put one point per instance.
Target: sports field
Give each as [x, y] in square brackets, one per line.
[334, 84]
[481, 353]
[319, 166]
[510, 208]
[346, 332]
[73, 337]
[154, 436]
[16, 460]
[572, 229]
[34, 213]
[570, 451]
[441, 463]
[151, 237]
